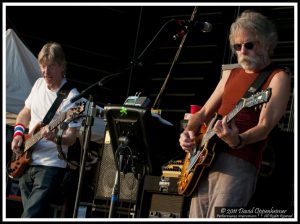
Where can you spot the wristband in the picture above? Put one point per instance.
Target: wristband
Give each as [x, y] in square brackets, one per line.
[17, 133]
[241, 143]
[19, 129]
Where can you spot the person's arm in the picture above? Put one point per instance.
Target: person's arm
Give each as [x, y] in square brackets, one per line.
[67, 138]
[272, 111]
[22, 119]
[270, 115]
[187, 137]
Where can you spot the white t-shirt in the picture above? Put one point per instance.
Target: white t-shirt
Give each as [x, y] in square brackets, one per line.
[39, 102]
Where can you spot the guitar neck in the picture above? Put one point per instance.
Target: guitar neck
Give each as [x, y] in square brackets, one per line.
[235, 111]
[210, 133]
[38, 136]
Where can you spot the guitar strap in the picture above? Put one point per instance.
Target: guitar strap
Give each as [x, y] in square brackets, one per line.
[61, 94]
[258, 82]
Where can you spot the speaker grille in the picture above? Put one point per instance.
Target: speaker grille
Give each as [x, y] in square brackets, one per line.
[107, 173]
[167, 203]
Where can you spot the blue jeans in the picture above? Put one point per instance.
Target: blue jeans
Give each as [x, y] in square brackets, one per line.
[38, 186]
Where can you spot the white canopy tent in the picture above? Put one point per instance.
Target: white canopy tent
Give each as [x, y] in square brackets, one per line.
[22, 70]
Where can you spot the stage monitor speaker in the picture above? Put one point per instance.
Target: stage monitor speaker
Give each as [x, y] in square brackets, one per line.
[106, 176]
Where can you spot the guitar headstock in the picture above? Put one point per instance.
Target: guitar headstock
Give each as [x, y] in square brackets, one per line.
[75, 112]
[258, 98]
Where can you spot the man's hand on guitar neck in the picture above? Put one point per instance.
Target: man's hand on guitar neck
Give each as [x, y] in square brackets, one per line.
[48, 134]
[228, 133]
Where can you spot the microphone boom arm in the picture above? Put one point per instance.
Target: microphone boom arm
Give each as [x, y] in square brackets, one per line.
[98, 83]
[163, 88]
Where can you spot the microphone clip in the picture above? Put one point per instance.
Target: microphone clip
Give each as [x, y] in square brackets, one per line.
[188, 25]
[185, 26]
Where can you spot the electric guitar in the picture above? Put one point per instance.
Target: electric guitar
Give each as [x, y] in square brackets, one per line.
[20, 160]
[202, 156]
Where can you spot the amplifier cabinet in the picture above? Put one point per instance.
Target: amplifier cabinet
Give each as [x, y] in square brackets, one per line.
[160, 199]
[105, 177]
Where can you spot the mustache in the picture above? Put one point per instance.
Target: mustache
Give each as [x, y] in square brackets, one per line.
[251, 59]
[247, 58]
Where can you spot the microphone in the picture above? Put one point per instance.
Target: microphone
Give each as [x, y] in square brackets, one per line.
[205, 27]
[188, 25]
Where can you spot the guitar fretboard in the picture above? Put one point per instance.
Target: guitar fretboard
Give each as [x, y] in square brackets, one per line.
[38, 136]
[210, 133]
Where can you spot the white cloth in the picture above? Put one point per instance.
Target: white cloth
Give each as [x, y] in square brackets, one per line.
[39, 102]
[22, 70]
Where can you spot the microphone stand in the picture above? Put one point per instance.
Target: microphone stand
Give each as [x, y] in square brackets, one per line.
[120, 168]
[136, 61]
[88, 123]
[155, 36]
[163, 88]
[87, 133]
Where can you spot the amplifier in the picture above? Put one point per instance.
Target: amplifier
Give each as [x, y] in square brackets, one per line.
[161, 184]
[166, 206]
[160, 199]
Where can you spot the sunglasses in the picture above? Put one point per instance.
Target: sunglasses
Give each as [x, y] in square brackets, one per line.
[248, 46]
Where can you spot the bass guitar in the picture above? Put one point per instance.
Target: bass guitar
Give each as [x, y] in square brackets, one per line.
[20, 160]
[202, 156]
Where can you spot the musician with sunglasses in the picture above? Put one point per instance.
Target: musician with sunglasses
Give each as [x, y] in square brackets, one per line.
[230, 180]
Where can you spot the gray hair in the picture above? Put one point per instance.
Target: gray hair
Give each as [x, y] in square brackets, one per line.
[259, 25]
